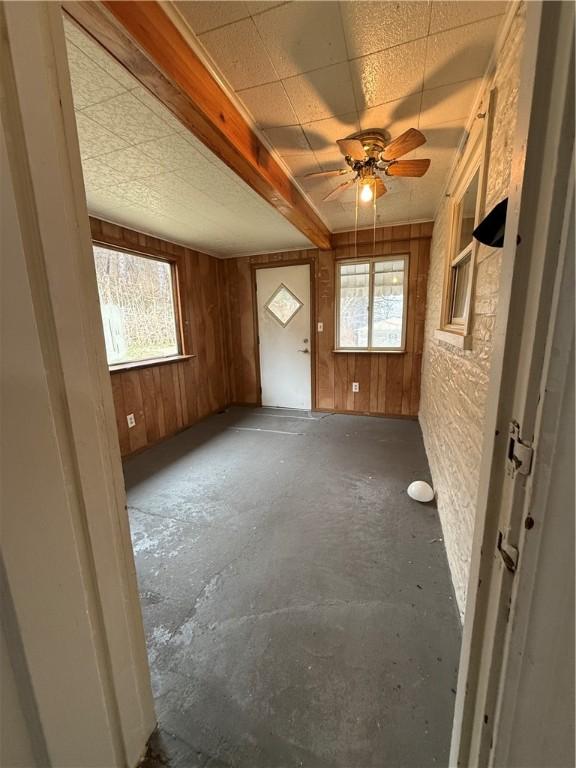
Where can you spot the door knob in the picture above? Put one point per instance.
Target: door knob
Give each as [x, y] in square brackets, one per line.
[306, 351]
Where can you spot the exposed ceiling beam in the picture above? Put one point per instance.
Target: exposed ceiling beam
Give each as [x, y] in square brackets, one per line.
[146, 42]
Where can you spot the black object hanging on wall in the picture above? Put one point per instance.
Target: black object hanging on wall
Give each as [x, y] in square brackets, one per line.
[491, 229]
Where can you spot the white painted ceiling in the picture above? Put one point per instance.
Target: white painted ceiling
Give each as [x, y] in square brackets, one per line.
[312, 72]
[143, 169]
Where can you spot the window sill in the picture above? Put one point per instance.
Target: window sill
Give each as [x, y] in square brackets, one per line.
[460, 340]
[369, 351]
[148, 363]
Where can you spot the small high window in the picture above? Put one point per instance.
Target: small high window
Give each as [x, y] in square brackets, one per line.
[137, 302]
[371, 304]
[460, 277]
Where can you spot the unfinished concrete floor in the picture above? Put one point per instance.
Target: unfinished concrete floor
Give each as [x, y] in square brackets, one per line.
[297, 604]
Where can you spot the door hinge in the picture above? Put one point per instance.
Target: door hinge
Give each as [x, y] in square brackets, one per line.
[520, 453]
[508, 553]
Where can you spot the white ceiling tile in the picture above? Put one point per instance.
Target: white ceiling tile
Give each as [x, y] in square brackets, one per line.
[269, 105]
[323, 93]
[133, 163]
[98, 55]
[302, 36]
[448, 102]
[129, 119]
[171, 152]
[288, 140]
[259, 6]
[388, 75]
[330, 159]
[395, 117]
[449, 14]
[98, 175]
[207, 14]
[374, 26]
[156, 106]
[90, 83]
[240, 54]
[302, 164]
[323, 134]
[460, 54]
[94, 139]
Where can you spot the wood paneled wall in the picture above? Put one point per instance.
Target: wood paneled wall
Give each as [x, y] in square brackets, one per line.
[389, 383]
[169, 397]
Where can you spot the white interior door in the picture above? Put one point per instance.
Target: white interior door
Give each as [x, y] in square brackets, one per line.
[283, 295]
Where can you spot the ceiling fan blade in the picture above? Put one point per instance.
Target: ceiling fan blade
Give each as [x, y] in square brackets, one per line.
[408, 168]
[352, 148]
[379, 188]
[334, 172]
[339, 189]
[406, 142]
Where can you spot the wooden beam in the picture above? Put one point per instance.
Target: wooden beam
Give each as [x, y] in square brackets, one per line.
[141, 37]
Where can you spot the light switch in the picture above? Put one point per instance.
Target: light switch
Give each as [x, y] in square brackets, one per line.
[320, 327]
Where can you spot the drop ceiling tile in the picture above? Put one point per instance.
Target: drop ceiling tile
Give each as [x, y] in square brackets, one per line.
[94, 139]
[98, 55]
[448, 14]
[322, 134]
[288, 140]
[156, 106]
[269, 105]
[128, 118]
[207, 14]
[448, 102]
[259, 6]
[375, 26]
[98, 175]
[460, 54]
[302, 36]
[240, 54]
[323, 93]
[302, 164]
[330, 159]
[90, 83]
[133, 163]
[388, 75]
[171, 152]
[395, 117]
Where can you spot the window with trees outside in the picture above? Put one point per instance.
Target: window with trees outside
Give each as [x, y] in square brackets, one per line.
[137, 305]
[371, 303]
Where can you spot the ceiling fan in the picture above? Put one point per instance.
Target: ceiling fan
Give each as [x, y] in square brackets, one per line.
[369, 153]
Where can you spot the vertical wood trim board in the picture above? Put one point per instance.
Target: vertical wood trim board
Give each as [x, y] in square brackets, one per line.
[168, 398]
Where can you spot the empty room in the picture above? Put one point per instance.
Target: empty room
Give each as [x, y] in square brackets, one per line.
[288, 395]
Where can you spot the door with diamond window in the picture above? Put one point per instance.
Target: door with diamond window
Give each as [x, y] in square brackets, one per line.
[283, 295]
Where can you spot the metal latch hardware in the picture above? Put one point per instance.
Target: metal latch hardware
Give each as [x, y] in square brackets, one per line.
[508, 553]
[520, 453]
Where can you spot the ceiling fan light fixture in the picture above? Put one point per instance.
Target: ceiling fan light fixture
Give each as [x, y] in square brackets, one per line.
[366, 192]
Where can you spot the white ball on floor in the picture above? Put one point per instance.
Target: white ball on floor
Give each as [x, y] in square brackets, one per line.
[420, 491]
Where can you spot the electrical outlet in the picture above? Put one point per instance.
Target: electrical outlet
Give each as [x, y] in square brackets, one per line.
[131, 420]
[355, 386]
[320, 327]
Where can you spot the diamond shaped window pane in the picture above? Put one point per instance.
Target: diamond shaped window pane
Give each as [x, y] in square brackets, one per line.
[283, 305]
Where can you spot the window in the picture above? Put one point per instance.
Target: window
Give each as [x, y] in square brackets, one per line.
[371, 304]
[460, 274]
[137, 305]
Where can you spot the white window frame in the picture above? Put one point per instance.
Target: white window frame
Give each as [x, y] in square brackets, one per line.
[457, 330]
[372, 260]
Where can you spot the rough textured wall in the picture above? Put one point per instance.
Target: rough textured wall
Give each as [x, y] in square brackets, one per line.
[389, 383]
[454, 381]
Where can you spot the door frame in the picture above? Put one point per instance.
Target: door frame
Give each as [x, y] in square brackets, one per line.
[527, 312]
[311, 261]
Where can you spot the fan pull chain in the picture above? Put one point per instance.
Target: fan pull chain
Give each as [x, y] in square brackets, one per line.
[356, 221]
[374, 222]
